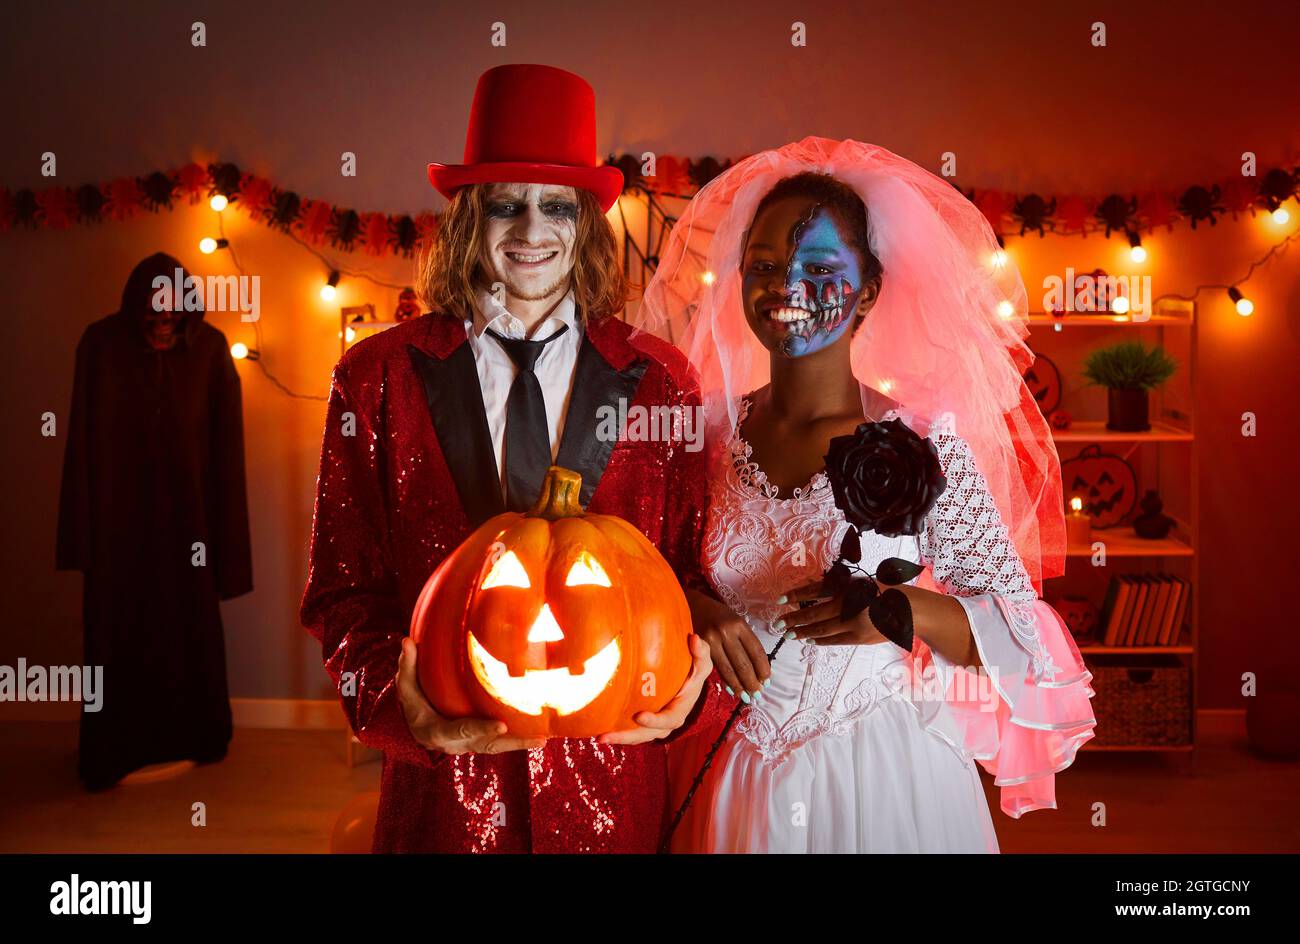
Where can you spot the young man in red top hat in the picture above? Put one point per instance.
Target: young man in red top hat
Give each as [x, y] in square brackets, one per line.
[443, 421]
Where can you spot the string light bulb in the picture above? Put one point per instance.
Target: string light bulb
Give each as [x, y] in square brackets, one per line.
[1245, 307]
[1119, 305]
[208, 245]
[1006, 309]
[708, 278]
[241, 351]
[218, 202]
[1137, 252]
[999, 259]
[330, 288]
[1281, 217]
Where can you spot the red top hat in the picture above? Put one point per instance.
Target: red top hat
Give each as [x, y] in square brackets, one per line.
[531, 124]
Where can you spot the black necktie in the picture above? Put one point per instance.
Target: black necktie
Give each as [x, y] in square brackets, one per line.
[528, 435]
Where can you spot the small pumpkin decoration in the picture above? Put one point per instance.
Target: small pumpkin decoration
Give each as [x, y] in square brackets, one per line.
[1079, 616]
[557, 622]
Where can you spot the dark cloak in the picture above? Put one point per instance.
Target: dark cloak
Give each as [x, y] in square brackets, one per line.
[154, 464]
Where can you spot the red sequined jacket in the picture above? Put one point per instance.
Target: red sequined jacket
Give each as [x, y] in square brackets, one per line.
[401, 485]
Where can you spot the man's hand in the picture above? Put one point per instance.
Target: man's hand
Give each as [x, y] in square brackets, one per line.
[449, 735]
[653, 725]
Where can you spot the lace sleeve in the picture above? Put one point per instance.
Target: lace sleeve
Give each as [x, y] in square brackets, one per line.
[1042, 715]
[970, 549]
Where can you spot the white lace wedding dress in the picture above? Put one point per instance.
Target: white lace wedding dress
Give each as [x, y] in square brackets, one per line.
[837, 755]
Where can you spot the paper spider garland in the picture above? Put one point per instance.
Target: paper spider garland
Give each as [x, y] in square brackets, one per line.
[319, 222]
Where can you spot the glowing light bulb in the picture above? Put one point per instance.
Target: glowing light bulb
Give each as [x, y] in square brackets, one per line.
[327, 291]
[1244, 305]
[218, 202]
[1281, 217]
[239, 350]
[1006, 309]
[708, 278]
[999, 259]
[1119, 305]
[886, 385]
[207, 245]
[1138, 254]
[350, 335]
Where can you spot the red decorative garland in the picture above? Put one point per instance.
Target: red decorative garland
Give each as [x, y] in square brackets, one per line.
[1012, 214]
[314, 221]
[317, 222]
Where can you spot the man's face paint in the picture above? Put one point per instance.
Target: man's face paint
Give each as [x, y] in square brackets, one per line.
[801, 278]
[528, 239]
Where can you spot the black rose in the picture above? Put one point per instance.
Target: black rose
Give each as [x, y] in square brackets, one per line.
[885, 477]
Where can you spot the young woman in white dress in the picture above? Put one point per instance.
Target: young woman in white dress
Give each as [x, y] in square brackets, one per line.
[812, 278]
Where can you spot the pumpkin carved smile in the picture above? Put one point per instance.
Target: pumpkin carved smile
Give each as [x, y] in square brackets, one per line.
[561, 690]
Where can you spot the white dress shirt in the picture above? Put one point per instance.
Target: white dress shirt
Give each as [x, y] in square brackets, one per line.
[496, 371]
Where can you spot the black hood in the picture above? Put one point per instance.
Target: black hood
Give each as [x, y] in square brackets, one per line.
[137, 295]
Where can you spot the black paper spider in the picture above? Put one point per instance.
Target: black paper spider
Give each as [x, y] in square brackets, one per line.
[225, 179]
[1200, 204]
[631, 169]
[1117, 213]
[704, 170]
[284, 212]
[405, 234]
[157, 189]
[90, 203]
[1034, 212]
[346, 229]
[1277, 187]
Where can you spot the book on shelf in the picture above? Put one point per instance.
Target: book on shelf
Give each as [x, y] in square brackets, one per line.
[1172, 617]
[1143, 610]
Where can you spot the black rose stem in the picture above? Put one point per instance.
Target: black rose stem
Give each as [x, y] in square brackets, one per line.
[708, 761]
[885, 478]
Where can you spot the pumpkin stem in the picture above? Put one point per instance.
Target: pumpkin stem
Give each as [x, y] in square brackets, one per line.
[559, 495]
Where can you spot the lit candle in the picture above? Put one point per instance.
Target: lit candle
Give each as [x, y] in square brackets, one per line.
[1078, 526]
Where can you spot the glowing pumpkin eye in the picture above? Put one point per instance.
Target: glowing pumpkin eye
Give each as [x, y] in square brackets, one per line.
[586, 570]
[506, 572]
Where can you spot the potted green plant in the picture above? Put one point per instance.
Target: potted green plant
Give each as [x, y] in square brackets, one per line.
[1129, 371]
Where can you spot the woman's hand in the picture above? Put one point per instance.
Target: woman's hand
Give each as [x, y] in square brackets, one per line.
[737, 654]
[822, 624]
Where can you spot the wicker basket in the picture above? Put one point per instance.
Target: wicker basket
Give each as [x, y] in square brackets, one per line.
[1142, 707]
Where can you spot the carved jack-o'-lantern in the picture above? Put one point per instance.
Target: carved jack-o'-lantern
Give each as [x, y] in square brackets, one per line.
[1106, 483]
[557, 622]
[1044, 381]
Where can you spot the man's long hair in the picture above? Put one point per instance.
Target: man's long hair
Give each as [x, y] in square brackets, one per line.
[450, 275]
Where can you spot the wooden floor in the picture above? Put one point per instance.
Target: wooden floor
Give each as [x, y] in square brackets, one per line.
[280, 791]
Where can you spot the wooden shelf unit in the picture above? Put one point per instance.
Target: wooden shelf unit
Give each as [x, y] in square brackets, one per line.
[1173, 430]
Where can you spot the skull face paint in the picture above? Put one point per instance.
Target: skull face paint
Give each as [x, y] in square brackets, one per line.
[801, 278]
[160, 328]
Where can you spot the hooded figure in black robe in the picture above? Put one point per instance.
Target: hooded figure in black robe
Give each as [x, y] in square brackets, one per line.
[154, 513]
